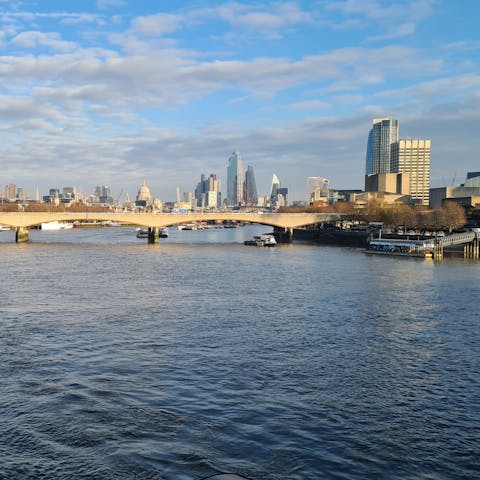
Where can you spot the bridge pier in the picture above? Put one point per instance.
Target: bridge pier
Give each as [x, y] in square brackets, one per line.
[437, 250]
[152, 235]
[472, 250]
[21, 234]
[283, 235]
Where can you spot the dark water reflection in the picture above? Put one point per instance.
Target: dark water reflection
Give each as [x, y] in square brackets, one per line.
[123, 360]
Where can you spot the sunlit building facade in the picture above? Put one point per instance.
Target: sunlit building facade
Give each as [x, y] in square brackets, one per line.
[412, 156]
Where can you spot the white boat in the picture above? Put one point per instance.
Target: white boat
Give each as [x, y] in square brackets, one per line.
[266, 240]
[55, 225]
[188, 226]
[4, 228]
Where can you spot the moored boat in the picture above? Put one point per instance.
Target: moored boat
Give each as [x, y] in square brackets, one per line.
[401, 247]
[55, 225]
[266, 240]
[142, 232]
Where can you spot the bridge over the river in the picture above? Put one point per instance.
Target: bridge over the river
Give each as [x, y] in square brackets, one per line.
[283, 223]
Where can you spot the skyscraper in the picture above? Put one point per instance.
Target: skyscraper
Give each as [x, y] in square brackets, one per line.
[383, 134]
[250, 188]
[275, 186]
[413, 156]
[235, 180]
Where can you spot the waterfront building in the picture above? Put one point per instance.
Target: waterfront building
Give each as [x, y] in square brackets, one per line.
[467, 196]
[235, 180]
[250, 188]
[412, 156]
[398, 183]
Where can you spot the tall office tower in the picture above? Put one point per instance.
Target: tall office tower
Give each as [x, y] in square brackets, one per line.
[235, 180]
[275, 186]
[11, 192]
[413, 156]
[250, 188]
[383, 134]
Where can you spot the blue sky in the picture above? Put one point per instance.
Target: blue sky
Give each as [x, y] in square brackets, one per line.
[116, 91]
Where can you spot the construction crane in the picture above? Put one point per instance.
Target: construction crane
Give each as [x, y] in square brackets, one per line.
[118, 198]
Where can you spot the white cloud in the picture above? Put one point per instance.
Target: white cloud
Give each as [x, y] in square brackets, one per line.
[395, 19]
[156, 25]
[35, 39]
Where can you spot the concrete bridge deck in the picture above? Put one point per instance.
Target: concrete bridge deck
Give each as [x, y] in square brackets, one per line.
[21, 221]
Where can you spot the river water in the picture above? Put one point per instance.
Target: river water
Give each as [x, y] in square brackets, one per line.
[122, 360]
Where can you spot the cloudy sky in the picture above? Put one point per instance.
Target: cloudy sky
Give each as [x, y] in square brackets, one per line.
[116, 91]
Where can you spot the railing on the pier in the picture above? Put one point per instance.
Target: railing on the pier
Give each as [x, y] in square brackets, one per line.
[470, 240]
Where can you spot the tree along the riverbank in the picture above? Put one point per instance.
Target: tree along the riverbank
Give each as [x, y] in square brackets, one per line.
[450, 217]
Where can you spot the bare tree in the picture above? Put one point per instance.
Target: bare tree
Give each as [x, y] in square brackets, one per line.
[453, 216]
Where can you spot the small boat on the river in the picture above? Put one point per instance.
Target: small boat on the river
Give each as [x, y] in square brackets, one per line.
[266, 240]
[142, 232]
[55, 225]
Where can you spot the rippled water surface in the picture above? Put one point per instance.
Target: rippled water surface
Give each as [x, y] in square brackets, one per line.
[121, 360]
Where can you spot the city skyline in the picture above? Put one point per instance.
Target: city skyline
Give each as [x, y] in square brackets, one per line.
[111, 92]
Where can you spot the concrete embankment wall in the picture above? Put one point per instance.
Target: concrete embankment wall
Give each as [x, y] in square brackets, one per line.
[331, 237]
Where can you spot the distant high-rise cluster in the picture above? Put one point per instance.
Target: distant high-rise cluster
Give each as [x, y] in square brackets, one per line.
[207, 192]
[397, 166]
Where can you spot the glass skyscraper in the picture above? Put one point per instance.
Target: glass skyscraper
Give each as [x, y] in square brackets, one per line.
[235, 180]
[383, 134]
[250, 188]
